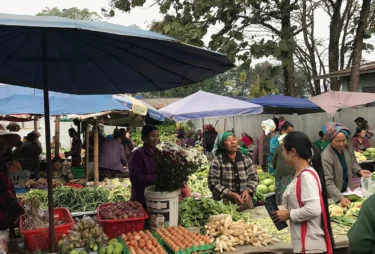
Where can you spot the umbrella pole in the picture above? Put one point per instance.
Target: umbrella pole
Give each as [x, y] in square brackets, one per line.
[48, 143]
[35, 124]
[96, 153]
[87, 137]
[57, 136]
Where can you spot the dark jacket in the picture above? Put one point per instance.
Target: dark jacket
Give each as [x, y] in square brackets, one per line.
[75, 151]
[30, 152]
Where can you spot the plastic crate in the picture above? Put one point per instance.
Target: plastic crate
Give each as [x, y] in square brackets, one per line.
[38, 239]
[78, 173]
[114, 228]
[21, 190]
[18, 176]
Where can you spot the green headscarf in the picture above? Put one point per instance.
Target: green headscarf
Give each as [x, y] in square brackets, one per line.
[219, 144]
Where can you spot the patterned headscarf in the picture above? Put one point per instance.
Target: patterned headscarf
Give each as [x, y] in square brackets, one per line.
[268, 126]
[331, 129]
[219, 144]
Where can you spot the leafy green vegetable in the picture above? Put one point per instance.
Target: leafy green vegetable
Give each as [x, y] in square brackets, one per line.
[195, 213]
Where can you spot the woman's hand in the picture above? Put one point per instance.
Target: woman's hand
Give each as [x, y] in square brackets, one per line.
[235, 198]
[365, 173]
[245, 196]
[344, 202]
[281, 215]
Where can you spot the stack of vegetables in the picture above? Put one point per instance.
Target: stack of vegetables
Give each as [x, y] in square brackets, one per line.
[227, 234]
[266, 183]
[343, 218]
[195, 213]
[369, 154]
[80, 200]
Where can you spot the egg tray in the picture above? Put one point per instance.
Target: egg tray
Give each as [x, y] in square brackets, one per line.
[207, 248]
[126, 249]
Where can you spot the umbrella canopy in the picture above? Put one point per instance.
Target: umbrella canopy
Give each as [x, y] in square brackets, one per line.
[93, 57]
[280, 104]
[203, 104]
[332, 101]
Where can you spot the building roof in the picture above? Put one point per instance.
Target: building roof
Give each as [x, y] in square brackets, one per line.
[364, 68]
[159, 103]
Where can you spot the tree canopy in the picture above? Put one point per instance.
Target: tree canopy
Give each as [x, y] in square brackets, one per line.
[71, 13]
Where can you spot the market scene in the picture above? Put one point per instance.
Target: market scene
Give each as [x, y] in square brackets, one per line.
[139, 127]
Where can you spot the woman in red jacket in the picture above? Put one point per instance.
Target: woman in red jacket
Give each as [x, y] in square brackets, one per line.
[246, 139]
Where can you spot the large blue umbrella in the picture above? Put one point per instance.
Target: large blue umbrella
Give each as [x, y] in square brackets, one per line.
[280, 104]
[86, 57]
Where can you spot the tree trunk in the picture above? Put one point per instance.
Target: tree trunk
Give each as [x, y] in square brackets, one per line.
[358, 42]
[96, 153]
[334, 39]
[87, 148]
[57, 136]
[288, 62]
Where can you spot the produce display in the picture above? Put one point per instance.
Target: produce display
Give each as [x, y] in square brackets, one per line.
[268, 226]
[121, 210]
[369, 153]
[180, 239]
[199, 185]
[344, 216]
[142, 242]
[229, 234]
[266, 183]
[80, 200]
[86, 233]
[34, 218]
[74, 185]
[195, 213]
[108, 182]
[361, 157]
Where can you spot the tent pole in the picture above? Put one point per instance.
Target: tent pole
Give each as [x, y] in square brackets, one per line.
[87, 148]
[96, 153]
[35, 124]
[234, 131]
[57, 136]
[48, 143]
[202, 124]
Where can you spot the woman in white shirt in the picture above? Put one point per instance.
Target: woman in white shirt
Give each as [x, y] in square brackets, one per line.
[305, 198]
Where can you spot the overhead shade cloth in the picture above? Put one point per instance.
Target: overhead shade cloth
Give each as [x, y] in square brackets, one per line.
[332, 101]
[280, 104]
[203, 105]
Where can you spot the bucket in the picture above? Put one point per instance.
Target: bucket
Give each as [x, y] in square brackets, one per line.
[162, 208]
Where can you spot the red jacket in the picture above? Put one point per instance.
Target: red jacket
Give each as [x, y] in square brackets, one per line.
[10, 209]
[246, 140]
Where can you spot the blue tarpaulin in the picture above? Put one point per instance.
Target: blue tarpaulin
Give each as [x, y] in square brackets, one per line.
[203, 105]
[280, 104]
[21, 100]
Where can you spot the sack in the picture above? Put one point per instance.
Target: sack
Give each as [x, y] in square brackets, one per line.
[368, 186]
[4, 238]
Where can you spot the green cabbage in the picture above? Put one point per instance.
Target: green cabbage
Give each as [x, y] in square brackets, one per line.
[352, 197]
[262, 189]
[268, 182]
[271, 188]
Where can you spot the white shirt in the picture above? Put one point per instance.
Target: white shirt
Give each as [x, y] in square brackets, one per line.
[310, 212]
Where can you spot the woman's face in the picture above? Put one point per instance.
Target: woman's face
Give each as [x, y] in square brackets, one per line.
[288, 156]
[231, 144]
[339, 142]
[362, 134]
[56, 165]
[152, 139]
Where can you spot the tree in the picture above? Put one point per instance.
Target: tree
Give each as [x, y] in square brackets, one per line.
[71, 13]
[189, 22]
[358, 42]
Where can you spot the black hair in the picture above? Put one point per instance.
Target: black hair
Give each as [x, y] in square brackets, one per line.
[286, 125]
[359, 119]
[309, 152]
[358, 130]
[147, 129]
[19, 143]
[8, 156]
[56, 159]
[31, 136]
[321, 134]
[179, 136]
[276, 121]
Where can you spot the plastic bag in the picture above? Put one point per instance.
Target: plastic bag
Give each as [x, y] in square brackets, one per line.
[4, 239]
[368, 186]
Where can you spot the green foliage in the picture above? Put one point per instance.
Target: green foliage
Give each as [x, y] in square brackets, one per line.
[71, 13]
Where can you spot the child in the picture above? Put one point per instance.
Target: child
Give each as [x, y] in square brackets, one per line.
[61, 171]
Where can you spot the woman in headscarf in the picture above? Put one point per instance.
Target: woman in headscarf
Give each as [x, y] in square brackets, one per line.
[339, 162]
[262, 146]
[231, 176]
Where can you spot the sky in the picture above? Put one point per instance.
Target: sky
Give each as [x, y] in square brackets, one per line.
[139, 16]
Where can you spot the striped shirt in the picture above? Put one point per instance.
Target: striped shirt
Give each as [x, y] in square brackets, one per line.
[226, 175]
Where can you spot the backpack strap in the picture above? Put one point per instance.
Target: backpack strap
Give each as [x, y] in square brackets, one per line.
[324, 214]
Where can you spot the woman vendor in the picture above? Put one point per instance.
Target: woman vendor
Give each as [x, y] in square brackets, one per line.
[141, 165]
[359, 141]
[10, 209]
[231, 176]
[60, 170]
[339, 162]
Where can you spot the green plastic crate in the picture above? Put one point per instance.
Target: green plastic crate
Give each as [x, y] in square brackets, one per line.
[78, 173]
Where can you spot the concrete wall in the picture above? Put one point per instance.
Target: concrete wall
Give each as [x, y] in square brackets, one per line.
[310, 124]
